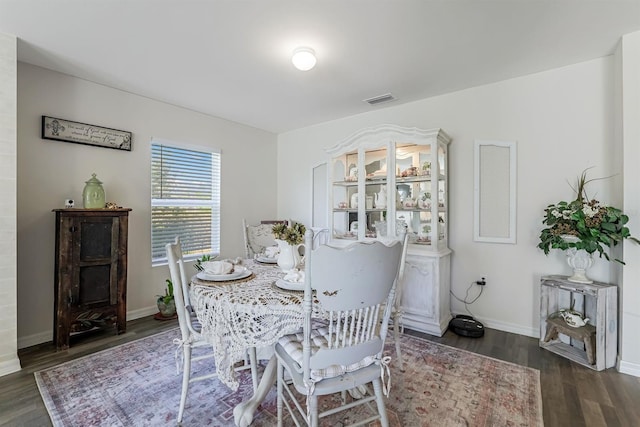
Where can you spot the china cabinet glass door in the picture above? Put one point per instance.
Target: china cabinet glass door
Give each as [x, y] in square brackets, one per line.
[382, 186]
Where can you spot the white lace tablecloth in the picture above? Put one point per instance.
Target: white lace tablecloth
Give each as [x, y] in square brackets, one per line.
[238, 315]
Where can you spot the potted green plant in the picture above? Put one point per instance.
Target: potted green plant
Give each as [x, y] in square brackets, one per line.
[166, 302]
[584, 224]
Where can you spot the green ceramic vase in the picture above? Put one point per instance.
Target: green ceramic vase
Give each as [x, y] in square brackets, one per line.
[93, 194]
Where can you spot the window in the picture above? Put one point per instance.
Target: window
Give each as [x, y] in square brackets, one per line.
[185, 200]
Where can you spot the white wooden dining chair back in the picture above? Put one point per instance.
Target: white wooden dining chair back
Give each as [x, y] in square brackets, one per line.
[397, 312]
[257, 238]
[320, 236]
[351, 289]
[190, 329]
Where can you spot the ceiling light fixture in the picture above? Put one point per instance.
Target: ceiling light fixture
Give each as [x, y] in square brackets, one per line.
[304, 58]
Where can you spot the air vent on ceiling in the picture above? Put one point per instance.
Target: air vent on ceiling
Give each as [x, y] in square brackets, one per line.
[380, 99]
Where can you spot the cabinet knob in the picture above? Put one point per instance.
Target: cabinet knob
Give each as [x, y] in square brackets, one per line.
[72, 229]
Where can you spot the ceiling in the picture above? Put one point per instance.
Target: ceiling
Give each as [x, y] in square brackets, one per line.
[231, 58]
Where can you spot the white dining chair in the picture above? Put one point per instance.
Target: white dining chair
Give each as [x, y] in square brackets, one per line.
[320, 236]
[348, 298]
[397, 312]
[257, 237]
[190, 329]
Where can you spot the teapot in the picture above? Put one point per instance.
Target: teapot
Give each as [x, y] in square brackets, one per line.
[381, 198]
[573, 319]
[409, 202]
[424, 203]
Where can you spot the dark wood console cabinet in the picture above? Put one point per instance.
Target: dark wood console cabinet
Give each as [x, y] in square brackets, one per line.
[90, 272]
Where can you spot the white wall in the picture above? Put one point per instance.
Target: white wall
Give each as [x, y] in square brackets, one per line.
[51, 171]
[8, 122]
[562, 122]
[629, 57]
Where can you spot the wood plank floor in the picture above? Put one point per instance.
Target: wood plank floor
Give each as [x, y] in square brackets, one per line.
[572, 395]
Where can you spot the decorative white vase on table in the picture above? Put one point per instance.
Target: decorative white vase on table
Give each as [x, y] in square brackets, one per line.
[289, 257]
[579, 260]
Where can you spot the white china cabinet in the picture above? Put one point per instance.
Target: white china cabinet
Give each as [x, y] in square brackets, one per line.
[386, 179]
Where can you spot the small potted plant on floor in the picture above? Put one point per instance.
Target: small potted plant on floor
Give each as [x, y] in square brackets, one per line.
[166, 302]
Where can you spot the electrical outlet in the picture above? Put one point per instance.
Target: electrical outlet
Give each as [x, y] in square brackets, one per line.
[482, 282]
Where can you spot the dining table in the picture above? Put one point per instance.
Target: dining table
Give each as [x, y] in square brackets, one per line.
[244, 313]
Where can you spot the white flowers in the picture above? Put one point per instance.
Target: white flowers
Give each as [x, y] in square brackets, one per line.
[565, 214]
[590, 211]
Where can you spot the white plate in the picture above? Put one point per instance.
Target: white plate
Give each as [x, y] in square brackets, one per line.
[290, 286]
[266, 260]
[239, 273]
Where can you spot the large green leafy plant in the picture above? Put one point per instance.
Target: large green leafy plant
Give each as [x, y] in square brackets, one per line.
[593, 225]
[293, 235]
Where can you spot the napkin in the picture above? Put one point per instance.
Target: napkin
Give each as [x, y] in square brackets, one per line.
[294, 276]
[217, 267]
[271, 251]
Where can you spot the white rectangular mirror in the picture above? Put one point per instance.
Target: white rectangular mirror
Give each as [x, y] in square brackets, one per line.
[495, 191]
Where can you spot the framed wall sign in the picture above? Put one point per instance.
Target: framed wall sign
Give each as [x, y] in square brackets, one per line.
[82, 133]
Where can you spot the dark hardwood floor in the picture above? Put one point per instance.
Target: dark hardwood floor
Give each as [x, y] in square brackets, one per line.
[572, 395]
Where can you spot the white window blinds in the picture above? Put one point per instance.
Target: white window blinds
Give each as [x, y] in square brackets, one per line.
[185, 200]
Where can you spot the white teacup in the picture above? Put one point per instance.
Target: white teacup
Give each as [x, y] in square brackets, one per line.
[217, 267]
[271, 251]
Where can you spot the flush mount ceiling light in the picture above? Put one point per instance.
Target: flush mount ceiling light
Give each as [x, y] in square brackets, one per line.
[304, 58]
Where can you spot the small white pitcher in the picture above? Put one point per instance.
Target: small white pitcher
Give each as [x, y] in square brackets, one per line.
[289, 257]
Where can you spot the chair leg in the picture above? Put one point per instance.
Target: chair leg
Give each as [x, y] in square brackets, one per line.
[313, 410]
[377, 389]
[280, 386]
[253, 359]
[186, 374]
[396, 338]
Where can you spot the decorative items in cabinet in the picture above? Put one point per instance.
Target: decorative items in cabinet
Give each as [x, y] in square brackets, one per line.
[90, 271]
[389, 179]
[594, 345]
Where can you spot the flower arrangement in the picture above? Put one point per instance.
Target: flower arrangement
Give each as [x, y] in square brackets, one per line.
[594, 226]
[293, 235]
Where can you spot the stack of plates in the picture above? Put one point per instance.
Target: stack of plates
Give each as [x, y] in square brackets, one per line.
[265, 260]
[290, 286]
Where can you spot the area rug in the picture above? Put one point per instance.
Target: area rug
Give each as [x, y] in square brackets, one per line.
[136, 384]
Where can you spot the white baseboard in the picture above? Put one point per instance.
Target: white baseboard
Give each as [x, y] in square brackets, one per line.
[142, 312]
[509, 327]
[628, 368]
[35, 339]
[47, 336]
[10, 366]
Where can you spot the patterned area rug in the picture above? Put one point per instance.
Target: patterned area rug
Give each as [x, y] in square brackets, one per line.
[136, 384]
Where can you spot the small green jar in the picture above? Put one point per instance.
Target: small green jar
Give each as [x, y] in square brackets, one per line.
[93, 194]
